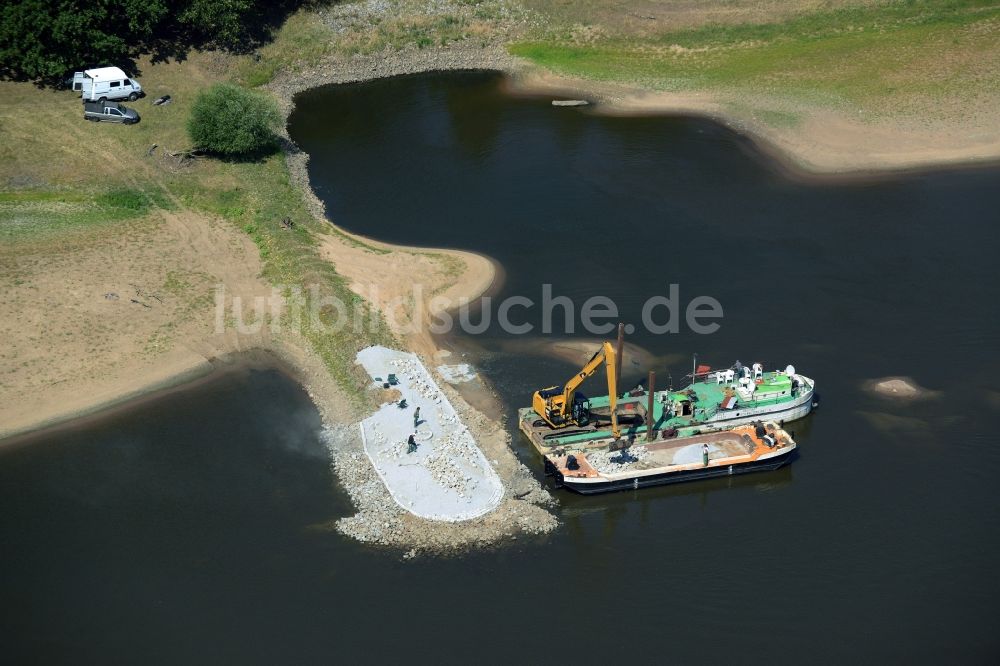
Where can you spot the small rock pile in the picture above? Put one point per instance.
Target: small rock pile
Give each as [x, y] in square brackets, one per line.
[417, 379]
[378, 519]
[609, 462]
[448, 474]
[355, 18]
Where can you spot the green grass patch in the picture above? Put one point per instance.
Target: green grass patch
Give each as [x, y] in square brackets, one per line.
[228, 203]
[823, 24]
[852, 55]
[32, 214]
[260, 74]
[125, 200]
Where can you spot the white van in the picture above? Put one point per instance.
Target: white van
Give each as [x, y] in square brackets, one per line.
[106, 83]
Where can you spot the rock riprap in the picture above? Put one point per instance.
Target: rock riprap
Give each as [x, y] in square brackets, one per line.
[447, 478]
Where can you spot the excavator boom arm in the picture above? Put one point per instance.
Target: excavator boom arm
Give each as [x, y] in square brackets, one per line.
[613, 392]
[601, 356]
[606, 355]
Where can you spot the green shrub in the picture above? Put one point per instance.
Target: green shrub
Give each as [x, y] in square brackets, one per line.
[230, 120]
[124, 199]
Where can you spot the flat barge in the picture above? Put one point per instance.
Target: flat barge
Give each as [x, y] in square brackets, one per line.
[713, 401]
[738, 450]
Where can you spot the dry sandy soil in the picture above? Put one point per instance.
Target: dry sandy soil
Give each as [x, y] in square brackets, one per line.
[114, 311]
[445, 279]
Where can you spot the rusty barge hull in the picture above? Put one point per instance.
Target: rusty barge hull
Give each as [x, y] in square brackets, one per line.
[741, 450]
[635, 483]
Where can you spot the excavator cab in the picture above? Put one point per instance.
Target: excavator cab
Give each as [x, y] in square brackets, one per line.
[581, 410]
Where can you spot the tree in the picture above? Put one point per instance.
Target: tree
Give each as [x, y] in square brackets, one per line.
[218, 21]
[230, 120]
[41, 39]
[47, 39]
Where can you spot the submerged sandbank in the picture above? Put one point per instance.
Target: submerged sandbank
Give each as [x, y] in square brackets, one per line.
[824, 143]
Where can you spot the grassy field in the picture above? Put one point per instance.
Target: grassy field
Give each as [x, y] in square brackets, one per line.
[638, 18]
[40, 214]
[71, 184]
[917, 57]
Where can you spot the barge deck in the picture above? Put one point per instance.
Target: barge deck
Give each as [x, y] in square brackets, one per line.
[739, 450]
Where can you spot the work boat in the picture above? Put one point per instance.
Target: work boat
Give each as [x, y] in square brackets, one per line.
[562, 417]
[739, 450]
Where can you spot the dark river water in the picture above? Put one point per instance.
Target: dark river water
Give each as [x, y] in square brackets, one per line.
[193, 528]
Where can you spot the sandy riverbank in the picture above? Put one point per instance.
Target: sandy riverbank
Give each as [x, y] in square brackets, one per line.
[393, 277]
[824, 143]
[104, 318]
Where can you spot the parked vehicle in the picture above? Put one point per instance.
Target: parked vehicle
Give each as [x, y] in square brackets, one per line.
[106, 83]
[112, 112]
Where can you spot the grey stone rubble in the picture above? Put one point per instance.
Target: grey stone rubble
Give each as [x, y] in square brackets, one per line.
[448, 477]
[608, 462]
[456, 374]
[504, 17]
[377, 518]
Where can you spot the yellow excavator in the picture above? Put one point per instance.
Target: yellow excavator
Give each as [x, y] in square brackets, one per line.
[560, 407]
